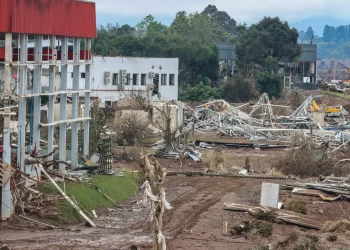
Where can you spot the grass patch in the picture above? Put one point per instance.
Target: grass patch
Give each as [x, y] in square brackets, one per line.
[117, 188]
[336, 94]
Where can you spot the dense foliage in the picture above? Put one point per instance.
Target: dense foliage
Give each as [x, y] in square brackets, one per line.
[269, 37]
[271, 84]
[192, 38]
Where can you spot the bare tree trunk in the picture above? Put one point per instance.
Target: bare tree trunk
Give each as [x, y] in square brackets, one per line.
[154, 189]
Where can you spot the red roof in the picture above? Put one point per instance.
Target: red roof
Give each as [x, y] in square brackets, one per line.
[69, 18]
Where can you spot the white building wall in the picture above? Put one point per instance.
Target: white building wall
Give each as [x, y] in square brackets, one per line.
[106, 91]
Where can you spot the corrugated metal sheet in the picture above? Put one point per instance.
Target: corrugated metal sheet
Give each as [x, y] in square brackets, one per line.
[70, 18]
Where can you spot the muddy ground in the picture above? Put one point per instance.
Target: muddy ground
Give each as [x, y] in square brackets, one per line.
[195, 222]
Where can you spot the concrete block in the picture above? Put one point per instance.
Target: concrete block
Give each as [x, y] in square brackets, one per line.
[270, 195]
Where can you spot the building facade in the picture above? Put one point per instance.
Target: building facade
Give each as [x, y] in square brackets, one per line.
[303, 73]
[113, 78]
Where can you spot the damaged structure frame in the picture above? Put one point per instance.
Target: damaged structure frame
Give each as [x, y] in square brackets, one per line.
[18, 60]
[23, 94]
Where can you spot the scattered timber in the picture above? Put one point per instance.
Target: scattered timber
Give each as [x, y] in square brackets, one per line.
[229, 175]
[278, 214]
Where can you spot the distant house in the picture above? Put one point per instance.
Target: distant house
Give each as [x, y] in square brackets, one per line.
[303, 73]
[227, 55]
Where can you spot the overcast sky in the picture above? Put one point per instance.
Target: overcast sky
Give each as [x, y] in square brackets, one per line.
[248, 11]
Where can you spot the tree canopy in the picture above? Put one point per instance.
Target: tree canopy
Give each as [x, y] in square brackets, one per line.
[269, 37]
[191, 37]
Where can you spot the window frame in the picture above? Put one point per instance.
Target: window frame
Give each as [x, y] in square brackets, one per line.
[171, 83]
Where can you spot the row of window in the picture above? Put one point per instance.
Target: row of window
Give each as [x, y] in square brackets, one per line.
[135, 79]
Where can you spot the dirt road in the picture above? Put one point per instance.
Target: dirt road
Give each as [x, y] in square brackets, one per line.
[195, 222]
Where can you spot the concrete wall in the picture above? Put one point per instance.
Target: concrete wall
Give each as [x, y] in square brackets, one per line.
[176, 115]
[68, 110]
[140, 115]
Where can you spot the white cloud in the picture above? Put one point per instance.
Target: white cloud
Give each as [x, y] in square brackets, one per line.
[241, 10]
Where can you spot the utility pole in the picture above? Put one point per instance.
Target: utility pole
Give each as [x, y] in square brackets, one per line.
[334, 65]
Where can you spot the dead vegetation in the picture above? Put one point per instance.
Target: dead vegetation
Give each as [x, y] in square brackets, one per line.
[214, 160]
[295, 205]
[253, 229]
[306, 159]
[266, 215]
[131, 130]
[308, 242]
[341, 226]
[164, 124]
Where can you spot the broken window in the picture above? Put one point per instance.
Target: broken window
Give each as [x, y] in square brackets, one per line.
[172, 79]
[115, 79]
[143, 79]
[163, 79]
[134, 79]
[108, 104]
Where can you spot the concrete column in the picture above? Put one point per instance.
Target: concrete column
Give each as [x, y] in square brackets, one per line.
[22, 105]
[7, 200]
[6, 196]
[87, 99]
[63, 104]
[37, 90]
[75, 103]
[51, 104]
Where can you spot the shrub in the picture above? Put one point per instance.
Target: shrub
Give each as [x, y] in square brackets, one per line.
[200, 92]
[271, 84]
[239, 90]
[305, 160]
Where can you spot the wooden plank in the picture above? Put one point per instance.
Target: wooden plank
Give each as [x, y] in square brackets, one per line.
[67, 198]
[270, 195]
[283, 215]
[308, 192]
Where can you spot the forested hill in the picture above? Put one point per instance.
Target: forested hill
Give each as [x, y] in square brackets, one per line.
[334, 39]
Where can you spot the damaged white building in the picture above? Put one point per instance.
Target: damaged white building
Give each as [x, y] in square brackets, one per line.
[113, 78]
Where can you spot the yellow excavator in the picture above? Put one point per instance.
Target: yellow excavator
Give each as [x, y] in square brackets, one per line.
[314, 107]
[329, 111]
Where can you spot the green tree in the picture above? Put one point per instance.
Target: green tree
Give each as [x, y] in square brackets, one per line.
[226, 25]
[269, 37]
[150, 25]
[270, 83]
[310, 35]
[195, 26]
[271, 65]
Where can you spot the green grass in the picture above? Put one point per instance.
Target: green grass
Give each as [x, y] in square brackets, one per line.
[117, 188]
[336, 94]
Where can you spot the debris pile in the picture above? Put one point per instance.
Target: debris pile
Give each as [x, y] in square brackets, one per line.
[262, 124]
